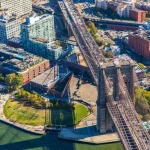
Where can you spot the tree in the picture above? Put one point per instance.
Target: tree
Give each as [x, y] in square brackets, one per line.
[57, 43]
[9, 81]
[1, 78]
[146, 117]
[103, 43]
[141, 104]
[109, 54]
[41, 12]
[13, 81]
[61, 116]
[92, 27]
[141, 66]
[100, 15]
[108, 45]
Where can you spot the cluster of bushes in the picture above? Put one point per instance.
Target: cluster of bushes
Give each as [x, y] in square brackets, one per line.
[142, 103]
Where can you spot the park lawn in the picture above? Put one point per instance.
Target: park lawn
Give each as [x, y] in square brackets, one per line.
[80, 112]
[18, 112]
[68, 117]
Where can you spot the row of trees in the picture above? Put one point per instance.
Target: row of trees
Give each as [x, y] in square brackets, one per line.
[38, 101]
[13, 81]
[142, 103]
[93, 30]
[32, 98]
[61, 104]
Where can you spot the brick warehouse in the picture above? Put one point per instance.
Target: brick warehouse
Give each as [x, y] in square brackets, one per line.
[55, 81]
[140, 42]
[18, 61]
[34, 71]
[137, 15]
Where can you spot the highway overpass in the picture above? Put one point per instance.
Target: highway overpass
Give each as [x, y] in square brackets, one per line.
[108, 21]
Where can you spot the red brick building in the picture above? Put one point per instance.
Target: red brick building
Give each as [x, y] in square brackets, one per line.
[140, 42]
[137, 15]
[36, 70]
[20, 62]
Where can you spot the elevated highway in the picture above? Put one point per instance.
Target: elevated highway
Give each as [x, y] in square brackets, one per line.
[114, 21]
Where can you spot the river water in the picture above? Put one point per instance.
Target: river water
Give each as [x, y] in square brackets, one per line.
[15, 139]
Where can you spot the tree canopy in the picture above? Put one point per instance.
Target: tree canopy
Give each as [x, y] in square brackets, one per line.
[1, 78]
[13, 81]
[141, 66]
[142, 102]
[93, 30]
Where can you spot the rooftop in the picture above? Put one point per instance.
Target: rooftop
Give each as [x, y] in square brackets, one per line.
[17, 59]
[77, 58]
[137, 10]
[34, 19]
[6, 17]
[51, 76]
[41, 40]
[145, 34]
[15, 40]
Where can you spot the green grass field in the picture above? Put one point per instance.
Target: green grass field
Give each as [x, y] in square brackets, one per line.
[19, 112]
[15, 139]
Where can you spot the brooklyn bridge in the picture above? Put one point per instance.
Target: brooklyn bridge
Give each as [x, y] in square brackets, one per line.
[115, 104]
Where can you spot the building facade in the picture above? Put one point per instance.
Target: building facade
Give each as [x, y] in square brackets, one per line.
[43, 48]
[137, 15]
[102, 4]
[124, 10]
[9, 28]
[140, 42]
[17, 7]
[38, 27]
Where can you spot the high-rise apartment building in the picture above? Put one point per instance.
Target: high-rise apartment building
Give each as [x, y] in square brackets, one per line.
[37, 33]
[17, 7]
[9, 28]
[38, 27]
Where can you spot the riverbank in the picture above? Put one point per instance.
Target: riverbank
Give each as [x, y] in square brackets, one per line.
[28, 128]
[88, 135]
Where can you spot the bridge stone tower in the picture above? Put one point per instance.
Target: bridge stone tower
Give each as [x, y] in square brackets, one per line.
[104, 121]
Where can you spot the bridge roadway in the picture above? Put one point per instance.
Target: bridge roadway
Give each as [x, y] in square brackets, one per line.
[123, 114]
[40, 8]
